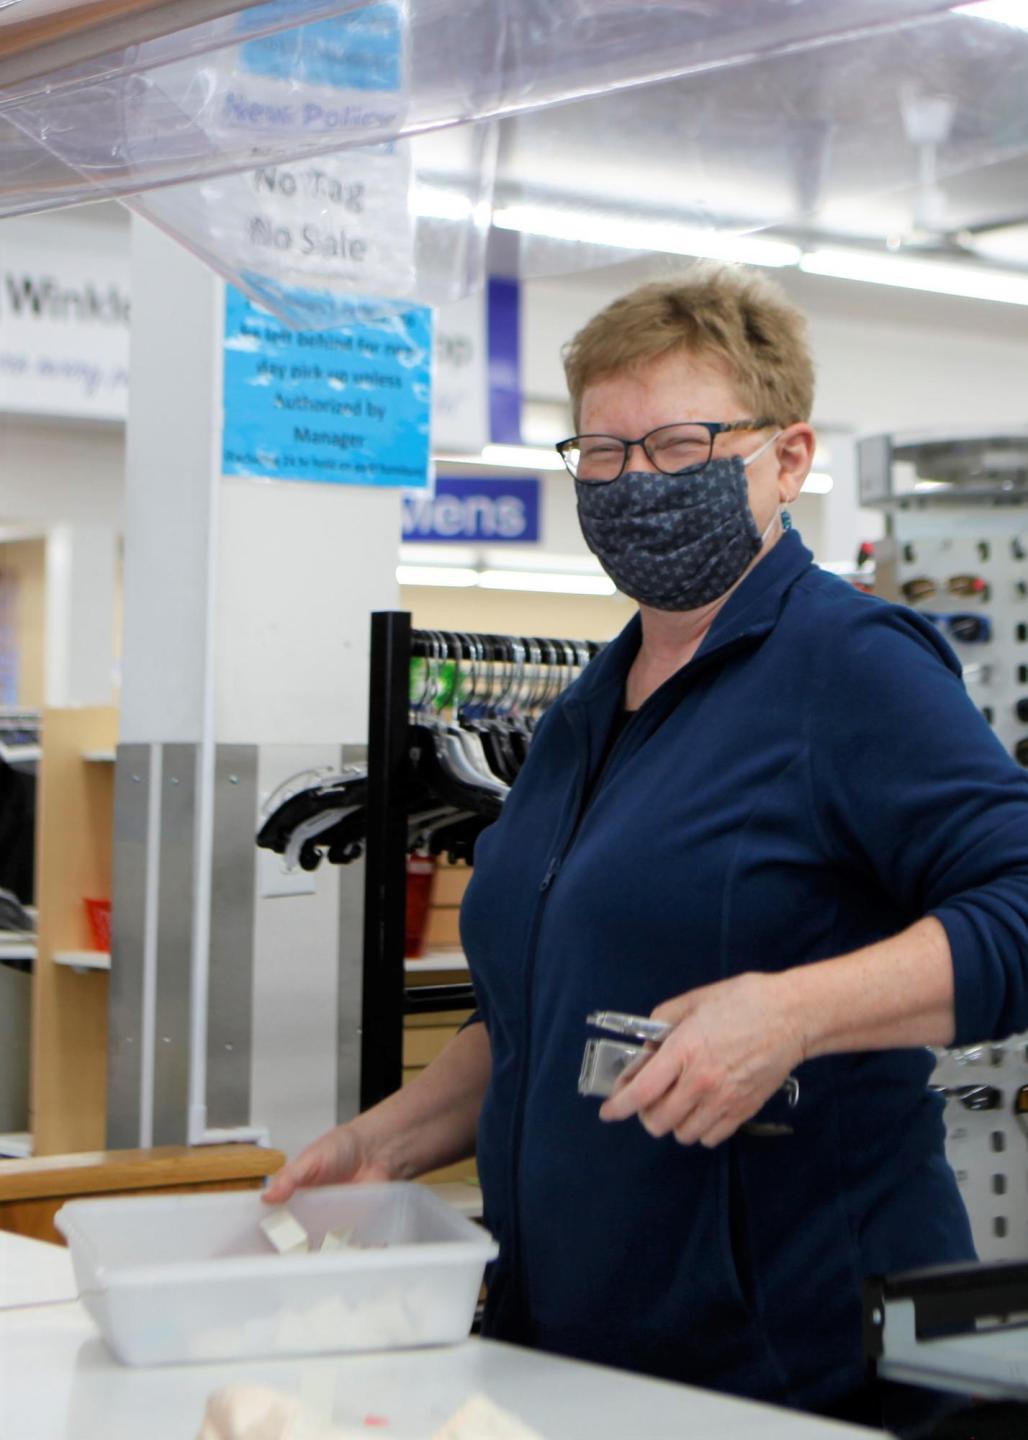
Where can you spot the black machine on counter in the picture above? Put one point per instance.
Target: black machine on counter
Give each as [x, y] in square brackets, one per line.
[959, 1328]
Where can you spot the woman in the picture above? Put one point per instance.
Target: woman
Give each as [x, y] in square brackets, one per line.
[767, 813]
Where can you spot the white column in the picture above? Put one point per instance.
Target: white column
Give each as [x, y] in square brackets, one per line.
[81, 575]
[249, 596]
[171, 491]
[247, 610]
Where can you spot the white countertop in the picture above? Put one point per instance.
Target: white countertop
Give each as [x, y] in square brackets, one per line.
[58, 1381]
[33, 1273]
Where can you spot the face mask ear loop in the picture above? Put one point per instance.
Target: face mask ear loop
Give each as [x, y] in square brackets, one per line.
[779, 513]
[749, 459]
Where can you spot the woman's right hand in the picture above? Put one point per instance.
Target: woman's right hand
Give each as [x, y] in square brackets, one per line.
[336, 1158]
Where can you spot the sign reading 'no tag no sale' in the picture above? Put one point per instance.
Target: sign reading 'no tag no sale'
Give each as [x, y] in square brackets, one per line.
[342, 407]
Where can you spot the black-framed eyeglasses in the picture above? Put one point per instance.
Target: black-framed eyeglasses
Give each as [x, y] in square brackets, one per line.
[672, 449]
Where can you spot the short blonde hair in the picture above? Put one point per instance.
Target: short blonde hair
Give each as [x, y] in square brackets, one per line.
[723, 311]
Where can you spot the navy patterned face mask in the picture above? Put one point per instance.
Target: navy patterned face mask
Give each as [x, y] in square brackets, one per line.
[673, 542]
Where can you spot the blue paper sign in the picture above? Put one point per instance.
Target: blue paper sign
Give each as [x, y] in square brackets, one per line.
[487, 511]
[357, 51]
[348, 406]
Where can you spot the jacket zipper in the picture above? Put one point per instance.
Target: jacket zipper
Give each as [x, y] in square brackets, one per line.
[560, 851]
[559, 854]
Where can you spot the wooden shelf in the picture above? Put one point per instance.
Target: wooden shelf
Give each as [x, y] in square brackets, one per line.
[84, 959]
[74, 841]
[17, 949]
[437, 960]
[462, 1196]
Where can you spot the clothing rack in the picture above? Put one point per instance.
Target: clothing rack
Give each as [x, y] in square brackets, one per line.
[385, 996]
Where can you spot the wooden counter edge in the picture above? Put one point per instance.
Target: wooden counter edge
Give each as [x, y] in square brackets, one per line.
[98, 1171]
[154, 17]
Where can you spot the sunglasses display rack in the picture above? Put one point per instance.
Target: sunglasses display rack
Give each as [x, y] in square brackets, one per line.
[956, 551]
[971, 582]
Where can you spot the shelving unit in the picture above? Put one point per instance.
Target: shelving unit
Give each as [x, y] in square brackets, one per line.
[74, 837]
[83, 960]
[437, 961]
[15, 1145]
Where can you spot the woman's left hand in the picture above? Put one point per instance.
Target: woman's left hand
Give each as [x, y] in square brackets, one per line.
[733, 1046]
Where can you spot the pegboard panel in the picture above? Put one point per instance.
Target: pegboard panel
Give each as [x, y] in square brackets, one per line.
[988, 1149]
[938, 545]
[958, 545]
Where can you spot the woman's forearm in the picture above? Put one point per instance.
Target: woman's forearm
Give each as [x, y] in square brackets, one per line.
[895, 993]
[432, 1121]
[734, 1043]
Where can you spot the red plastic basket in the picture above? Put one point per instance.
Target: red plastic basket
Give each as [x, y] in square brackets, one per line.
[98, 912]
[420, 875]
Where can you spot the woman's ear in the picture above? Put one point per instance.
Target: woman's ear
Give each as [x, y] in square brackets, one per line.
[795, 453]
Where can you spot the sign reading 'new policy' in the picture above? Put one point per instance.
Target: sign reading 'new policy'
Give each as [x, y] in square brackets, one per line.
[344, 407]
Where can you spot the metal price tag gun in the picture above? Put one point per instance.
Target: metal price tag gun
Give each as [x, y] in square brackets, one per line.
[605, 1061]
[961, 1327]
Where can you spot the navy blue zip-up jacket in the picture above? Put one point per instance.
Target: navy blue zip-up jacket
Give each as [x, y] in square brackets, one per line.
[815, 779]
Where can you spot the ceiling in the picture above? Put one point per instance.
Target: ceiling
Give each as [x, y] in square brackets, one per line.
[893, 127]
[817, 144]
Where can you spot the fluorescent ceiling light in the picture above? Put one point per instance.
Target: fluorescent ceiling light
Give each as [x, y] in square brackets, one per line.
[448, 575]
[1003, 12]
[662, 236]
[438, 203]
[818, 482]
[510, 457]
[975, 282]
[526, 457]
[546, 582]
[543, 582]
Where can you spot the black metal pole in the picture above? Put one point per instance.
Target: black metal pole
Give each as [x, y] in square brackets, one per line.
[385, 877]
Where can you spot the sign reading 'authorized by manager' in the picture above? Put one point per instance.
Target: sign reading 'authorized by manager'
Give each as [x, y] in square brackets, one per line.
[349, 406]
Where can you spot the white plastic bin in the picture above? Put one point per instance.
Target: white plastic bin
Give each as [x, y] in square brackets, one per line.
[173, 1278]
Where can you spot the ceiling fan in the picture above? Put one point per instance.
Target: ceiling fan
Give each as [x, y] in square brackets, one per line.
[928, 122]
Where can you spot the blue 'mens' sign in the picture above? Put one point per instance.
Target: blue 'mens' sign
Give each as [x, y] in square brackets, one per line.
[476, 510]
[344, 407]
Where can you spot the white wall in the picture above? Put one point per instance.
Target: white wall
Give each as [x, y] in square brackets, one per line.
[53, 472]
[885, 359]
[301, 568]
[63, 483]
[61, 479]
[875, 376]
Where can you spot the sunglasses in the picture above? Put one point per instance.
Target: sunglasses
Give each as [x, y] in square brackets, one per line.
[923, 588]
[966, 629]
